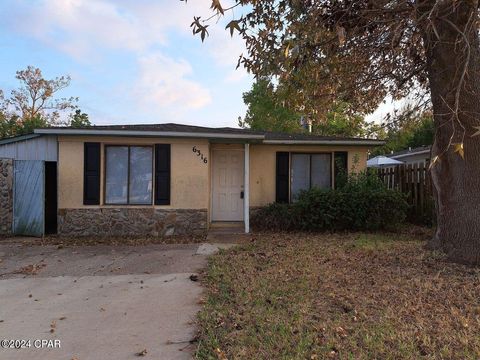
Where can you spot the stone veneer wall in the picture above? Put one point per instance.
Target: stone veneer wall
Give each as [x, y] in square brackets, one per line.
[131, 222]
[6, 196]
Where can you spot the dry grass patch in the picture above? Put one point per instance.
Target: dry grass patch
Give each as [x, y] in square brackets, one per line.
[345, 296]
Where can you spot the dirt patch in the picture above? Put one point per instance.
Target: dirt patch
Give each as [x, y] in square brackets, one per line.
[358, 296]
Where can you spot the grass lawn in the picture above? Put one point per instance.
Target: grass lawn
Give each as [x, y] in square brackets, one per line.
[341, 296]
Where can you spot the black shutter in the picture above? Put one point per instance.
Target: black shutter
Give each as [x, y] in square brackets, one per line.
[283, 171]
[91, 174]
[162, 174]
[340, 168]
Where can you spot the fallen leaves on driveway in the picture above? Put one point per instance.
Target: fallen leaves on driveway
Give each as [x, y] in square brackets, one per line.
[53, 326]
[142, 353]
[62, 242]
[32, 269]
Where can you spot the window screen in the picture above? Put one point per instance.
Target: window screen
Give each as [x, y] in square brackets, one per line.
[300, 174]
[128, 178]
[140, 175]
[321, 171]
[310, 170]
[116, 179]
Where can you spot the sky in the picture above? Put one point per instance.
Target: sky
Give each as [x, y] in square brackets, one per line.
[130, 61]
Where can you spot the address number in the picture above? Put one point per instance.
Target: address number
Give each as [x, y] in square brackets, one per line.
[200, 154]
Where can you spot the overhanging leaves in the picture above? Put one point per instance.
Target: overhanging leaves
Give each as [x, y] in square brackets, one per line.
[233, 25]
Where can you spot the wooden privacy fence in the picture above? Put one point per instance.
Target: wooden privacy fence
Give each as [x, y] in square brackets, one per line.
[413, 180]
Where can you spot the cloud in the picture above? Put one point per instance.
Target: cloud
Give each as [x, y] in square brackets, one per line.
[85, 27]
[164, 82]
[141, 37]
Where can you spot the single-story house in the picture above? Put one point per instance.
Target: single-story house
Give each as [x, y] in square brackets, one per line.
[412, 156]
[164, 179]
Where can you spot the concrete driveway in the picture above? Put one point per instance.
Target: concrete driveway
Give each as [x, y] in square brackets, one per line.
[100, 302]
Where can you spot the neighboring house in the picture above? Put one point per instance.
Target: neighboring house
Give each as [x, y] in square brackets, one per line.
[153, 180]
[413, 156]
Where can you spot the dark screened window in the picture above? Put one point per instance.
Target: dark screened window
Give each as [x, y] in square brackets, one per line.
[308, 171]
[128, 175]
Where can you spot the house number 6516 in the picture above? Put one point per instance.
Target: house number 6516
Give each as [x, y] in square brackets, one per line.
[200, 154]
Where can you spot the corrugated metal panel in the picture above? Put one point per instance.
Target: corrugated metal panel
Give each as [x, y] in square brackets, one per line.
[39, 148]
[28, 197]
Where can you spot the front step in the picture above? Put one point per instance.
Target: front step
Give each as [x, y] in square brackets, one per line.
[226, 232]
[227, 227]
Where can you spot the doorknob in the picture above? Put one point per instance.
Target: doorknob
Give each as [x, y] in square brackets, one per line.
[242, 194]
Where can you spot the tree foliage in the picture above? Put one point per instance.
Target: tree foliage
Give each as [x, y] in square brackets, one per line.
[79, 119]
[36, 96]
[350, 50]
[408, 129]
[341, 120]
[267, 111]
[12, 125]
[359, 52]
[35, 104]
[355, 52]
[270, 109]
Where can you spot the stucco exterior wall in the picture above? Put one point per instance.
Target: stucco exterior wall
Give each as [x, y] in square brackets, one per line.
[191, 191]
[263, 166]
[189, 174]
[190, 177]
[6, 196]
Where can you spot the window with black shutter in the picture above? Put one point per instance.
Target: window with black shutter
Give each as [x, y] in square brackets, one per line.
[162, 174]
[282, 176]
[91, 174]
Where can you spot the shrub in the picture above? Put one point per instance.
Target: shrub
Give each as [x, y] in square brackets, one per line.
[279, 217]
[361, 203]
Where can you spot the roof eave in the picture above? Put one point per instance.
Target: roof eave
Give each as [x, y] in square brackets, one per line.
[325, 142]
[18, 138]
[204, 135]
[409, 154]
[177, 134]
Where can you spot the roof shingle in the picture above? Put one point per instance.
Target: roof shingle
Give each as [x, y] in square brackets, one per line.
[172, 127]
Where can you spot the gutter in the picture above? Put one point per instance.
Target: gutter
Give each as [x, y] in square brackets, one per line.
[410, 154]
[205, 135]
[148, 133]
[325, 142]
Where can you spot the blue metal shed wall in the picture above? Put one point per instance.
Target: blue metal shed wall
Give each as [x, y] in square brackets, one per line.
[39, 148]
[29, 198]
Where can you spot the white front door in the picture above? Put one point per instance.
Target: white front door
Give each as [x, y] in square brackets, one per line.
[228, 177]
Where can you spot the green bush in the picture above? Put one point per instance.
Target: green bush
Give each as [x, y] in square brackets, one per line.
[280, 217]
[361, 203]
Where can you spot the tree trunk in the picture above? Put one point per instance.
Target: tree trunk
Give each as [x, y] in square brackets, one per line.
[452, 50]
